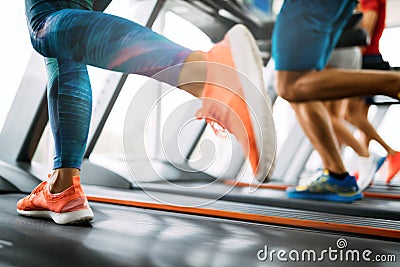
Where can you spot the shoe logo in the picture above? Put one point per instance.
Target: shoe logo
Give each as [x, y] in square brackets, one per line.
[322, 185]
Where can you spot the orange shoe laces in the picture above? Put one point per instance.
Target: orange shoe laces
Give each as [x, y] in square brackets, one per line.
[37, 189]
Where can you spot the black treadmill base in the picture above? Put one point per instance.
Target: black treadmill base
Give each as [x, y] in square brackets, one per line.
[125, 236]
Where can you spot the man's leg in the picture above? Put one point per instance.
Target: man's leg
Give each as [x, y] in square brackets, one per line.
[356, 112]
[305, 34]
[345, 58]
[343, 134]
[330, 84]
[315, 121]
[313, 26]
[334, 184]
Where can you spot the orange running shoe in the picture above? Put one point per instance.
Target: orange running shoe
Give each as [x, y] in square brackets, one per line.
[69, 206]
[393, 166]
[234, 96]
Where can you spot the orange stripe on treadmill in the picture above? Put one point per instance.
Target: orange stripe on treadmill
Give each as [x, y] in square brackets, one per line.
[283, 187]
[266, 186]
[381, 195]
[338, 227]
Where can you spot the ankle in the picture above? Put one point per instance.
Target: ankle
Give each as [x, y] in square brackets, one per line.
[62, 178]
[193, 74]
[338, 176]
[335, 168]
[195, 56]
[364, 154]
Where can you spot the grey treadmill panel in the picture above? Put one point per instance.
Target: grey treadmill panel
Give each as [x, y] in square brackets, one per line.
[125, 236]
[26, 120]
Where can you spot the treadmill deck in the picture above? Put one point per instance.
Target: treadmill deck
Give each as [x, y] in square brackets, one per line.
[128, 236]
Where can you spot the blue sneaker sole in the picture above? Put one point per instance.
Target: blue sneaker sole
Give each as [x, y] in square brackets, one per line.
[334, 197]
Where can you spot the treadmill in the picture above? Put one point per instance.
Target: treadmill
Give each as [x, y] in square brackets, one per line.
[156, 224]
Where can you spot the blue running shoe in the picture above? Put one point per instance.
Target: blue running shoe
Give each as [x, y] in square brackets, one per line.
[328, 188]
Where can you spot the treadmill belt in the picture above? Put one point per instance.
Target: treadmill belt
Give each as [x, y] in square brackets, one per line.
[127, 236]
[374, 208]
[377, 190]
[251, 212]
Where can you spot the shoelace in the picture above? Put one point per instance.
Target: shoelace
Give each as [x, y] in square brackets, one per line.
[333, 187]
[317, 182]
[37, 189]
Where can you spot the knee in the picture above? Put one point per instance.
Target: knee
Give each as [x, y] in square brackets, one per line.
[39, 34]
[290, 91]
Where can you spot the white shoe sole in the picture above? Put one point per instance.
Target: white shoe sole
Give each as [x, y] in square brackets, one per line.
[368, 168]
[248, 61]
[80, 216]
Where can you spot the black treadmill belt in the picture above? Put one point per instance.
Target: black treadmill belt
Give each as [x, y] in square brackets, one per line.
[126, 236]
[250, 212]
[366, 208]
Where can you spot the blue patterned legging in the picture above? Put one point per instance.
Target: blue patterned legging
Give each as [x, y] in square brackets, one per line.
[71, 35]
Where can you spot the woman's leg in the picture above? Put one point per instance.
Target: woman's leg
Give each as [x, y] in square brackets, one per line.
[106, 41]
[72, 38]
[117, 44]
[69, 91]
[69, 103]
[81, 36]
